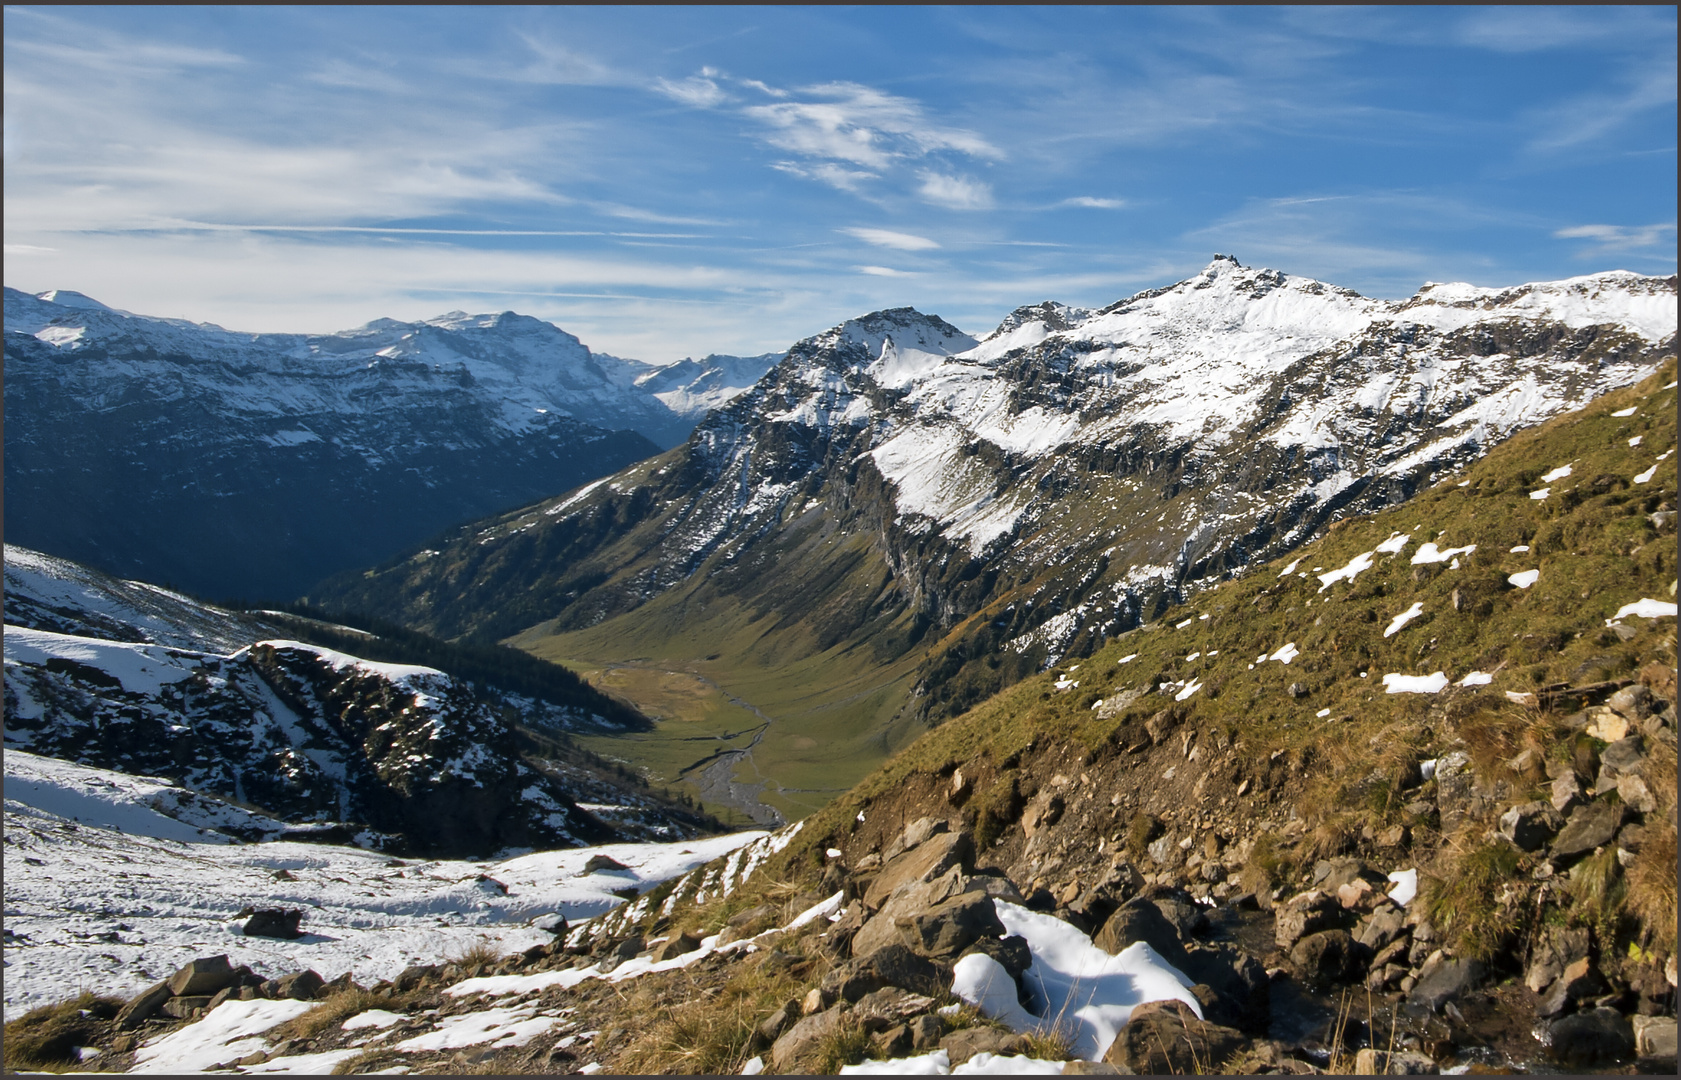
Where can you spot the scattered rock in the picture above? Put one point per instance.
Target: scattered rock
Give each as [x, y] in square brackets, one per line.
[603, 862]
[1382, 926]
[926, 1032]
[1530, 825]
[1598, 1036]
[799, 1043]
[1579, 980]
[1567, 792]
[932, 858]
[1297, 690]
[1558, 950]
[1371, 1062]
[1093, 1068]
[1165, 1037]
[777, 1022]
[1654, 1038]
[1589, 826]
[889, 1005]
[947, 929]
[1304, 914]
[274, 923]
[891, 965]
[891, 1043]
[675, 946]
[962, 1045]
[1011, 952]
[1329, 956]
[1140, 920]
[1044, 811]
[203, 976]
[143, 1005]
[1443, 982]
[299, 986]
[1632, 790]
[184, 1008]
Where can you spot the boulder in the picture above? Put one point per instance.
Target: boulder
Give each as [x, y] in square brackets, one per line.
[1163, 1037]
[948, 928]
[932, 858]
[603, 862]
[203, 976]
[143, 1005]
[1530, 825]
[553, 923]
[1578, 980]
[1442, 982]
[1382, 926]
[1599, 1036]
[1560, 948]
[962, 1045]
[1654, 1038]
[1624, 755]
[890, 1005]
[1632, 790]
[299, 986]
[1567, 791]
[1589, 826]
[799, 1044]
[777, 1022]
[891, 1042]
[675, 946]
[910, 899]
[1140, 920]
[1011, 952]
[1635, 702]
[1042, 812]
[186, 1007]
[1330, 875]
[1370, 1062]
[1304, 914]
[1178, 908]
[274, 923]
[1329, 956]
[926, 1031]
[891, 965]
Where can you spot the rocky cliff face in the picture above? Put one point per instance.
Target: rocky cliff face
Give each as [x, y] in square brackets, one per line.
[1001, 504]
[118, 675]
[252, 465]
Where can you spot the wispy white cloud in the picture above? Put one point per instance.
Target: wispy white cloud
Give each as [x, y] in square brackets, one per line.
[889, 239]
[1612, 239]
[1645, 86]
[27, 249]
[1094, 203]
[884, 271]
[954, 192]
[836, 176]
[696, 91]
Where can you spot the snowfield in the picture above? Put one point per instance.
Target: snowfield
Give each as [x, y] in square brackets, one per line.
[107, 892]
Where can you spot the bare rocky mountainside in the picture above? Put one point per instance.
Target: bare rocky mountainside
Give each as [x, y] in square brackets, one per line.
[289, 739]
[249, 466]
[899, 520]
[1402, 801]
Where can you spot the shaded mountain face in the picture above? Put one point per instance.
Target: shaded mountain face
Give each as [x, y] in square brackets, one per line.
[989, 507]
[121, 675]
[252, 465]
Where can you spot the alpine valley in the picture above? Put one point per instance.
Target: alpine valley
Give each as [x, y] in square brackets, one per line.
[1245, 677]
[900, 520]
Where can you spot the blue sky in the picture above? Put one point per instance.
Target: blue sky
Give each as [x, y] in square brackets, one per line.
[676, 181]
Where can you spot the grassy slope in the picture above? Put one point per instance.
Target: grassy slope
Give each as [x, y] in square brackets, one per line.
[1596, 550]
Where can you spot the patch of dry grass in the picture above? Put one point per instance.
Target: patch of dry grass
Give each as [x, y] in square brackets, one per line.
[1461, 896]
[45, 1039]
[1651, 892]
[335, 1010]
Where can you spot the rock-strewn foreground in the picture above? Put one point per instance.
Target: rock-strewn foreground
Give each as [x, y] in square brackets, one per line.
[1431, 760]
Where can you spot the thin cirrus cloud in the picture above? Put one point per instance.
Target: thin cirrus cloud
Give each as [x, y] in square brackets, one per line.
[885, 271]
[1093, 203]
[954, 192]
[888, 238]
[1608, 239]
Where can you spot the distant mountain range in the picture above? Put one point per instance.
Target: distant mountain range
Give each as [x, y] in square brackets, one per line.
[252, 465]
[973, 510]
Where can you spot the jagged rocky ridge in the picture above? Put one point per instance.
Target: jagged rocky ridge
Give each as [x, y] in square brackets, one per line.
[252, 465]
[996, 505]
[126, 676]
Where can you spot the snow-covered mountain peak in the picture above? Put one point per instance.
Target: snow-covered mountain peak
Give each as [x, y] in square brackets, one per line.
[72, 299]
[907, 327]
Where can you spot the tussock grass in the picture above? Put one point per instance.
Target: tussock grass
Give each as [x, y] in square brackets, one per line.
[1651, 888]
[1461, 897]
[1055, 1044]
[710, 1033]
[1598, 888]
[480, 953]
[846, 1046]
[44, 1039]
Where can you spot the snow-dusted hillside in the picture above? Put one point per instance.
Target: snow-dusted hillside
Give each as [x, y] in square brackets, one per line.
[113, 881]
[254, 464]
[1058, 481]
[123, 675]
